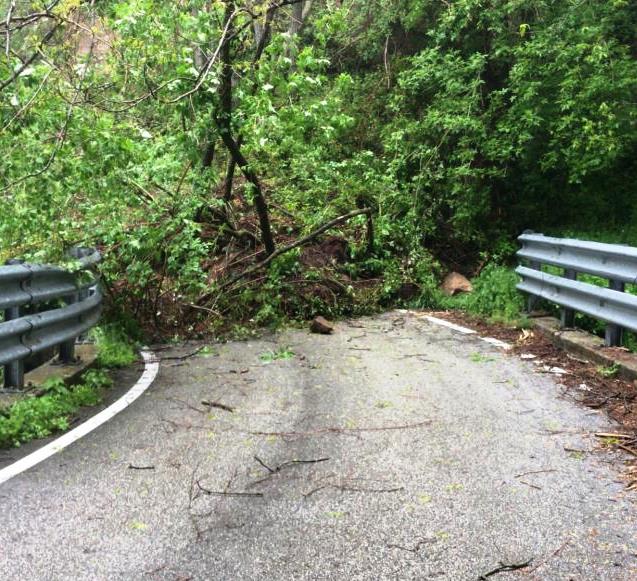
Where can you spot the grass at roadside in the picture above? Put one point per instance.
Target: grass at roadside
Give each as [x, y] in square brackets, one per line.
[51, 410]
[114, 348]
[38, 417]
[494, 298]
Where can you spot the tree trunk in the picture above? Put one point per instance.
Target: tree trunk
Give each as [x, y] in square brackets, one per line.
[229, 181]
[298, 16]
[209, 154]
[224, 122]
[261, 37]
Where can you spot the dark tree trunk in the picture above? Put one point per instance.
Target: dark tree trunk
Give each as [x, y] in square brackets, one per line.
[261, 38]
[224, 122]
[230, 171]
[208, 155]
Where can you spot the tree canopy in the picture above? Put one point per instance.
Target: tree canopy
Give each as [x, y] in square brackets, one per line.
[192, 140]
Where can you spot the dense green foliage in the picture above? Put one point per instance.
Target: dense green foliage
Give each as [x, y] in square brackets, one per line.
[114, 348]
[38, 417]
[458, 124]
[51, 406]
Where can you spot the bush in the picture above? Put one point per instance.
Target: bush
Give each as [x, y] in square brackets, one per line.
[495, 296]
[114, 348]
[38, 417]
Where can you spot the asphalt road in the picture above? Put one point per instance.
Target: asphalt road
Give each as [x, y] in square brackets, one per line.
[393, 449]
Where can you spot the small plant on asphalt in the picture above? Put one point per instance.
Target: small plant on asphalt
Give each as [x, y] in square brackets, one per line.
[282, 353]
[384, 404]
[208, 351]
[481, 358]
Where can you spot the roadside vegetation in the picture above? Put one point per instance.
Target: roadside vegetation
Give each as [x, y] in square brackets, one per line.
[50, 407]
[245, 163]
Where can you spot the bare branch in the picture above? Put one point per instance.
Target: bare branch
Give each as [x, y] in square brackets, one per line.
[4, 84]
[62, 134]
[282, 250]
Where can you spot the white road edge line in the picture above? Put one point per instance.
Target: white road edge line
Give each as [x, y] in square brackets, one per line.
[453, 326]
[467, 331]
[497, 343]
[151, 368]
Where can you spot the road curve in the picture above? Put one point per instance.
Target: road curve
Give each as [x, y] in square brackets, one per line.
[394, 449]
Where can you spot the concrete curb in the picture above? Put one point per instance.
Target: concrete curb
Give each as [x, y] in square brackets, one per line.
[69, 373]
[587, 346]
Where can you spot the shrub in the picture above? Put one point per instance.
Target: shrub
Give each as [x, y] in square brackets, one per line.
[495, 295]
[38, 417]
[114, 348]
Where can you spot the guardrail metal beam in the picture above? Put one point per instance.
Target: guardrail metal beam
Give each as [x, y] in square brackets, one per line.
[609, 261]
[36, 288]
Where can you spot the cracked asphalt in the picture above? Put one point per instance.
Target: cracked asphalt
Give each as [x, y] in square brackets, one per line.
[394, 449]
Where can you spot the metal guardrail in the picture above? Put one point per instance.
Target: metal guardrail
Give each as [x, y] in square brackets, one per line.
[614, 262]
[45, 307]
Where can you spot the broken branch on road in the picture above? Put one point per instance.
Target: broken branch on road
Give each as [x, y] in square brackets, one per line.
[280, 467]
[182, 357]
[226, 492]
[416, 547]
[503, 568]
[218, 405]
[339, 430]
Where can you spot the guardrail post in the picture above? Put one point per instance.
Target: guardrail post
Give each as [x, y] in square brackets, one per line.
[80, 252]
[614, 333]
[532, 300]
[567, 319]
[67, 349]
[14, 371]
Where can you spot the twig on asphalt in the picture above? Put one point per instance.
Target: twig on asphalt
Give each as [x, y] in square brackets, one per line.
[270, 470]
[183, 426]
[531, 485]
[133, 467]
[503, 568]
[377, 490]
[191, 491]
[311, 492]
[416, 547]
[383, 428]
[277, 469]
[292, 462]
[347, 485]
[182, 357]
[535, 472]
[216, 404]
[155, 571]
[627, 449]
[288, 463]
[337, 430]
[181, 401]
[226, 492]
[421, 355]
[576, 450]
[612, 435]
